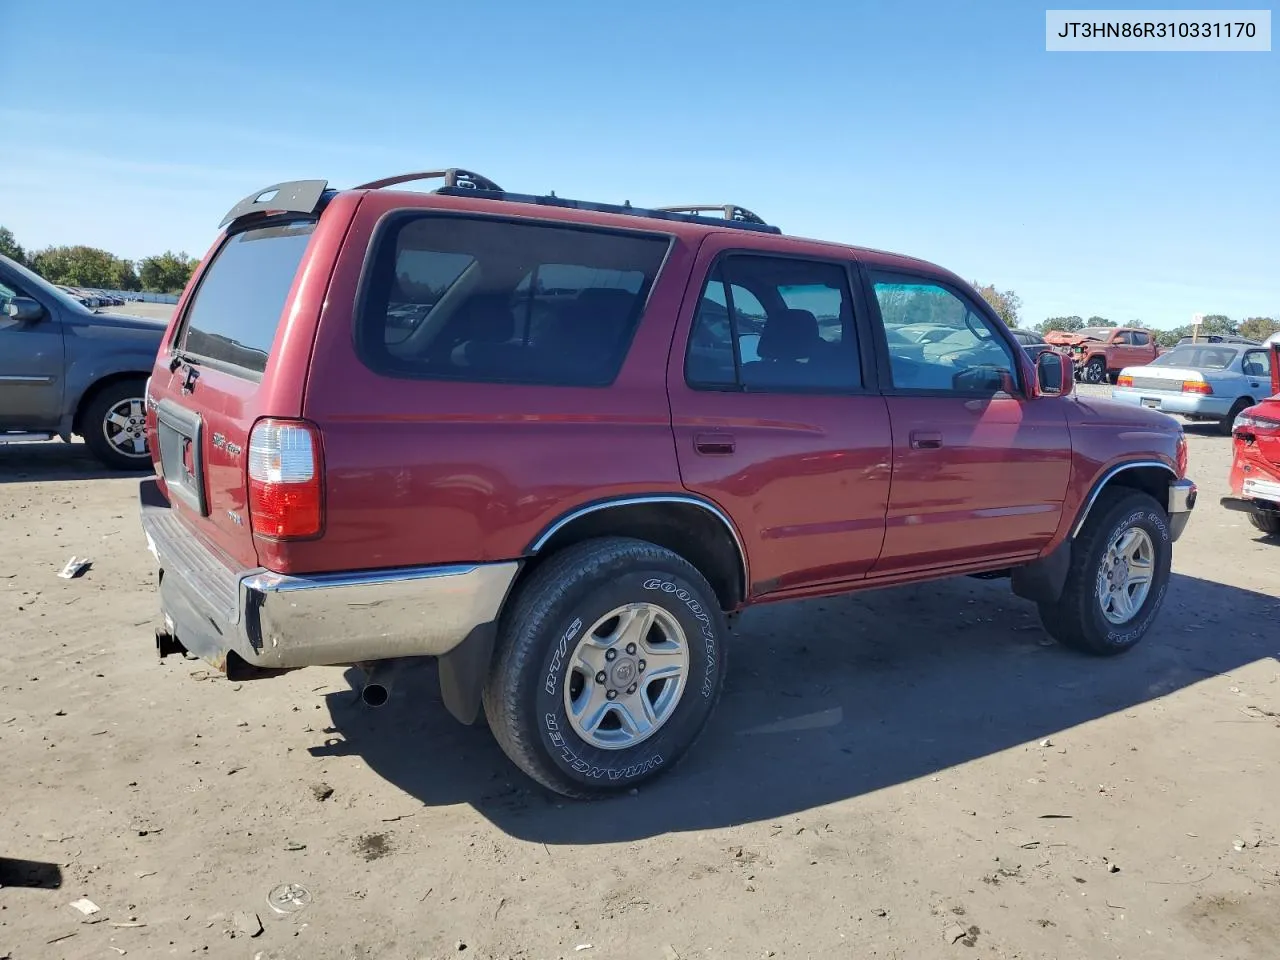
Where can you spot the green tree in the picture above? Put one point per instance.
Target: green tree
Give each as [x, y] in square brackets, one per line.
[1258, 328]
[1065, 324]
[1096, 321]
[167, 272]
[1005, 303]
[81, 266]
[10, 247]
[1217, 323]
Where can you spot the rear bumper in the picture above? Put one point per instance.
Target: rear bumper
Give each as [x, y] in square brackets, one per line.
[1187, 404]
[1255, 495]
[1182, 500]
[271, 621]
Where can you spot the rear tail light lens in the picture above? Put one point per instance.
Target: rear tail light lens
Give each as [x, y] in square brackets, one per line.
[1124, 381]
[1196, 386]
[286, 499]
[1181, 454]
[1248, 423]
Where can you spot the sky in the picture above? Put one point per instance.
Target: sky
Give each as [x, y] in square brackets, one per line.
[1140, 187]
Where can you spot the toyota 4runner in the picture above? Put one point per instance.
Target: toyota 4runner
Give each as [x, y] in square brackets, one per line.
[556, 445]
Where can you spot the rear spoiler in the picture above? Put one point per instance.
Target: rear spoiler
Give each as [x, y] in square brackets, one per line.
[295, 196]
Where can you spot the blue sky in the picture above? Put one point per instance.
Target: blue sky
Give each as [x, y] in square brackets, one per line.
[1132, 186]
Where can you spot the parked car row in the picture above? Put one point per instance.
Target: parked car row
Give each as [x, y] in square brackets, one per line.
[92, 298]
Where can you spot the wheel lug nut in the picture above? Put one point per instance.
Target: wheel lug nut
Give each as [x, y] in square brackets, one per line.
[641, 665]
[611, 654]
[611, 694]
[631, 689]
[600, 677]
[631, 648]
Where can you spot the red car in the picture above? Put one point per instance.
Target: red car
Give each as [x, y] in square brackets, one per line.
[557, 445]
[1255, 465]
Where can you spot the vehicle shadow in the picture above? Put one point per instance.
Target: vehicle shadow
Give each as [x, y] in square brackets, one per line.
[825, 700]
[40, 462]
[30, 873]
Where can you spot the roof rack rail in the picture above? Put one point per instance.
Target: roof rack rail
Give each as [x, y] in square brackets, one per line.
[454, 177]
[681, 214]
[731, 211]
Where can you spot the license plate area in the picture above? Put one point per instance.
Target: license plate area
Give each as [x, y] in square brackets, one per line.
[1151, 402]
[181, 435]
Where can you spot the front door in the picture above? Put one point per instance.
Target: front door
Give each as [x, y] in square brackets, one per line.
[775, 417]
[980, 466]
[31, 380]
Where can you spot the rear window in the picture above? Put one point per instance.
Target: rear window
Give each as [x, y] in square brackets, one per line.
[1199, 357]
[233, 318]
[458, 298]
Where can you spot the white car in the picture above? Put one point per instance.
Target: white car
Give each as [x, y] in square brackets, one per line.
[1200, 381]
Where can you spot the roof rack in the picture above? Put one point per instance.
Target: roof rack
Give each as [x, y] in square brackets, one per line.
[453, 177]
[730, 211]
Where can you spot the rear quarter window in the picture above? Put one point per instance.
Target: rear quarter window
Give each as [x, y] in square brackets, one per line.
[241, 297]
[463, 298]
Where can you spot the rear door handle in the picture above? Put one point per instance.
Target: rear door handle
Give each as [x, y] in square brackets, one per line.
[925, 440]
[714, 444]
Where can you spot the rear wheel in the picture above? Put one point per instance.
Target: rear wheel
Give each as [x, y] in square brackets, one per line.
[1095, 371]
[114, 425]
[610, 661]
[1267, 522]
[1224, 426]
[1118, 576]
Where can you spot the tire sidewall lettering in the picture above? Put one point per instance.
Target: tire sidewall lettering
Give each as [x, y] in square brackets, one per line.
[1156, 524]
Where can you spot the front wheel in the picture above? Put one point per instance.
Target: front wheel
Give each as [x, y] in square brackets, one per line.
[114, 426]
[610, 661]
[1118, 576]
[1095, 371]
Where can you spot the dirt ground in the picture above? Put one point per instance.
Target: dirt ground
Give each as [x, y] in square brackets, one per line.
[913, 773]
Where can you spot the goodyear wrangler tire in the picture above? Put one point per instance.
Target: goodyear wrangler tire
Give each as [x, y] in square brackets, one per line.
[610, 661]
[1119, 573]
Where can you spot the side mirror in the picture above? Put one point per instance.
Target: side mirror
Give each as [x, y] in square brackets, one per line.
[24, 310]
[1053, 379]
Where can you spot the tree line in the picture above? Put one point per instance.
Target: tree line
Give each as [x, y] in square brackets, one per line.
[81, 266]
[1008, 305]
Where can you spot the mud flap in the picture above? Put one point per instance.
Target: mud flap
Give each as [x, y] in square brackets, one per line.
[463, 671]
[1042, 581]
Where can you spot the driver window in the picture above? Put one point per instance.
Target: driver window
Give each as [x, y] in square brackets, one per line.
[938, 341]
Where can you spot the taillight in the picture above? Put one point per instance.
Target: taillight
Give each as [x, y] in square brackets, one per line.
[1124, 380]
[1196, 386]
[1181, 454]
[286, 497]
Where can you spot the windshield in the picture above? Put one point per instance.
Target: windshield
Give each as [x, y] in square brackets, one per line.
[1096, 333]
[33, 279]
[1198, 357]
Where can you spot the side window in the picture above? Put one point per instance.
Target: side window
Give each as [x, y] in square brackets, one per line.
[774, 324]
[1124, 338]
[462, 298]
[1140, 338]
[939, 341]
[1256, 363]
[7, 293]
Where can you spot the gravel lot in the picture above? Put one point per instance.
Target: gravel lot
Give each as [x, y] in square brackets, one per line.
[912, 773]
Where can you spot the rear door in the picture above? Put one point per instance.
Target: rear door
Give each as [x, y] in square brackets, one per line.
[221, 374]
[775, 412]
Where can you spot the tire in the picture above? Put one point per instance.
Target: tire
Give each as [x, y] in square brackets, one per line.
[96, 430]
[1268, 523]
[536, 675]
[1224, 426]
[1077, 619]
[1095, 371]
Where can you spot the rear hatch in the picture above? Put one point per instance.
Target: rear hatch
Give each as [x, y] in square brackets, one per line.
[216, 381]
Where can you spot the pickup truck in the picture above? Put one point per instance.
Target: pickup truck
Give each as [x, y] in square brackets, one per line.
[67, 369]
[1100, 353]
[558, 445]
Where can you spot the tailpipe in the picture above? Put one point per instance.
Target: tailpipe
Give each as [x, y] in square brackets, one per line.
[379, 681]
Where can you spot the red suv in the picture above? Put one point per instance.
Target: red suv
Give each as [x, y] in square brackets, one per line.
[556, 445]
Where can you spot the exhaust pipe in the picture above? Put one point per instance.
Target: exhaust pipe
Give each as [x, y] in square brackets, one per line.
[379, 681]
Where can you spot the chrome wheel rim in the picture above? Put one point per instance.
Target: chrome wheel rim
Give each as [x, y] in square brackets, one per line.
[1095, 373]
[125, 428]
[1124, 579]
[626, 676]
